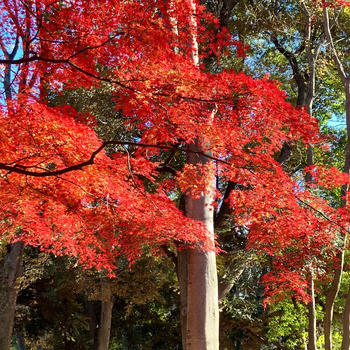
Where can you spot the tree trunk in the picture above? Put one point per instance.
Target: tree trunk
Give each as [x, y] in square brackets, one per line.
[20, 342]
[197, 269]
[202, 302]
[202, 331]
[312, 317]
[225, 286]
[346, 83]
[182, 275]
[346, 324]
[90, 309]
[10, 271]
[346, 314]
[330, 299]
[104, 328]
[312, 337]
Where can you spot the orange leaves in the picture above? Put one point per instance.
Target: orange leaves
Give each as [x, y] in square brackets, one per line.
[328, 178]
[116, 206]
[95, 213]
[33, 132]
[196, 180]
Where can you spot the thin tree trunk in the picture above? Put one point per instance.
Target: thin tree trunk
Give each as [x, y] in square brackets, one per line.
[330, 299]
[312, 317]
[312, 51]
[346, 324]
[337, 278]
[11, 266]
[312, 336]
[20, 342]
[346, 313]
[90, 309]
[104, 328]
[10, 271]
[182, 256]
[329, 307]
[182, 274]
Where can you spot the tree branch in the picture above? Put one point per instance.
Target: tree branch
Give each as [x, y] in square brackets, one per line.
[22, 170]
[337, 62]
[342, 229]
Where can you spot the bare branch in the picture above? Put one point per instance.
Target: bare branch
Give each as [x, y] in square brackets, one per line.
[337, 61]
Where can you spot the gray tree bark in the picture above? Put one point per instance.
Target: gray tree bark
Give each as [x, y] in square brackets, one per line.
[312, 316]
[346, 324]
[346, 83]
[10, 271]
[330, 299]
[346, 313]
[20, 342]
[11, 265]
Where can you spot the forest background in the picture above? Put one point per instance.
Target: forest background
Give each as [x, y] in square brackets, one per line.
[180, 95]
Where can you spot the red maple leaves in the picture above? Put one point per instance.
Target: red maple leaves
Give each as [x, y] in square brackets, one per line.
[103, 209]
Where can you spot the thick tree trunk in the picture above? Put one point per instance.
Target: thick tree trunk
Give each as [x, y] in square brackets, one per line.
[104, 327]
[198, 278]
[10, 271]
[202, 331]
[202, 302]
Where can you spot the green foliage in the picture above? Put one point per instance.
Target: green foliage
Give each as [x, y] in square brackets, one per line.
[50, 311]
[287, 324]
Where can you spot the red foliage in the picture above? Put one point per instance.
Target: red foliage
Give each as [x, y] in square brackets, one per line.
[332, 3]
[103, 209]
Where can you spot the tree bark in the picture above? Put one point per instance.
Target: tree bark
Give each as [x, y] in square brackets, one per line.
[346, 83]
[346, 313]
[202, 331]
[312, 317]
[337, 278]
[182, 275]
[329, 307]
[10, 271]
[197, 268]
[104, 327]
[11, 266]
[312, 336]
[90, 309]
[20, 342]
[346, 324]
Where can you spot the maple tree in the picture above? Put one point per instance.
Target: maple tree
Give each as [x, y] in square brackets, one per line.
[59, 189]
